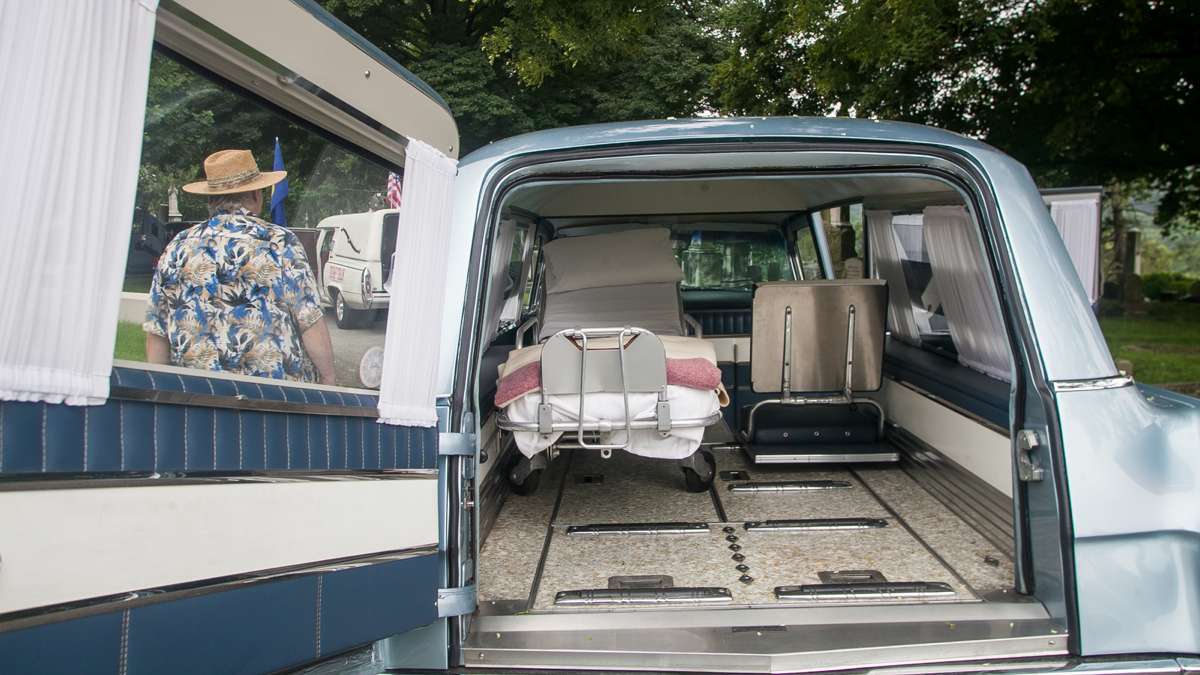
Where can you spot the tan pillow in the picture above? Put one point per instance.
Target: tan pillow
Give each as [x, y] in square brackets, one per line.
[626, 258]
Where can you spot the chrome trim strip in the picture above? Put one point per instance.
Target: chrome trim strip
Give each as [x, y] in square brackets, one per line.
[809, 524]
[789, 485]
[122, 601]
[238, 402]
[74, 481]
[888, 590]
[701, 595]
[828, 458]
[637, 529]
[1096, 384]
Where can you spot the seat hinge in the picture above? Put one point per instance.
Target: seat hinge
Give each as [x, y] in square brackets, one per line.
[1029, 468]
[456, 601]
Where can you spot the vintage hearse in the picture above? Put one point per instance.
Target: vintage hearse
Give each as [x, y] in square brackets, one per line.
[728, 395]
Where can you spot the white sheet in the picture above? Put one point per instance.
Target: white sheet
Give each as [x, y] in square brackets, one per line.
[686, 403]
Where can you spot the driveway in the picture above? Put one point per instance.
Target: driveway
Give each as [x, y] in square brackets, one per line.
[349, 347]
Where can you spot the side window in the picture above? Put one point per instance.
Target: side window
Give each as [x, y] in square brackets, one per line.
[844, 231]
[806, 252]
[240, 268]
[918, 277]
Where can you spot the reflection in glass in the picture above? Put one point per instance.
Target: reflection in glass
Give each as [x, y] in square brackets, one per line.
[339, 233]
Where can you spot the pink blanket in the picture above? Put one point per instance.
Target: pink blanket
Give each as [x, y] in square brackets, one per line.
[694, 373]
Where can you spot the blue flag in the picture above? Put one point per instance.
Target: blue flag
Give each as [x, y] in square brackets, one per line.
[280, 191]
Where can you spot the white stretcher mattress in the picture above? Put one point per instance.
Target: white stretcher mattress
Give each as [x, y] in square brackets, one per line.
[686, 403]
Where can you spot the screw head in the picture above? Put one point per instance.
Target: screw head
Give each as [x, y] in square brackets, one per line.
[742, 568]
[735, 547]
[746, 578]
[737, 557]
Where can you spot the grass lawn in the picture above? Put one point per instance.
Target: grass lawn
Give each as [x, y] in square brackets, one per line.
[137, 284]
[1163, 343]
[131, 342]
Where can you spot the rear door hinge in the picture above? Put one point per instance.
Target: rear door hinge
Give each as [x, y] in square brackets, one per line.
[456, 601]
[1029, 467]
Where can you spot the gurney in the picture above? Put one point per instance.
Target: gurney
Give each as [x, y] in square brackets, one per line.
[615, 371]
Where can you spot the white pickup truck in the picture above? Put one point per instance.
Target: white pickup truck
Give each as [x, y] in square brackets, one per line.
[354, 259]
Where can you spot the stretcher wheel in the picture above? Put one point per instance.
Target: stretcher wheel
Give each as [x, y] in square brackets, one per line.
[700, 481]
[514, 472]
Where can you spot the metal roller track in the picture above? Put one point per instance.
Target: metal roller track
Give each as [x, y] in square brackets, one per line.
[636, 529]
[789, 486]
[808, 524]
[700, 595]
[889, 590]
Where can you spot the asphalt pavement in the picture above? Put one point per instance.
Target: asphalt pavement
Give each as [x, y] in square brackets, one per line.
[349, 347]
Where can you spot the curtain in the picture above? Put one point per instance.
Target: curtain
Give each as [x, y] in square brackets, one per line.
[498, 279]
[73, 78]
[886, 248]
[963, 279]
[414, 328]
[1078, 221]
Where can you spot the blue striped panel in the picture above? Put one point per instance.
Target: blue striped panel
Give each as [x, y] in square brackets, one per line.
[253, 629]
[143, 436]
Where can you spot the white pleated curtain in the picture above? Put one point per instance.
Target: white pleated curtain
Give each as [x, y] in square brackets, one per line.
[888, 257]
[1078, 221]
[498, 278]
[73, 79]
[410, 352]
[962, 276]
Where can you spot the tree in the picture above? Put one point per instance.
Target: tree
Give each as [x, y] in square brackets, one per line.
[1082, 91]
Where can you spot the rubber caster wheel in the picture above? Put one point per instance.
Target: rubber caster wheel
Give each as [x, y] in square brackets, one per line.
[525, 487]
[696, 482]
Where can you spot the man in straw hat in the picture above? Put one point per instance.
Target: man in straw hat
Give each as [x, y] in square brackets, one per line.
[235, 293]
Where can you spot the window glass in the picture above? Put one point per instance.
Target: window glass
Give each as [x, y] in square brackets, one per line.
[291, 287]
[713, 260]
[806, 250]
[918, 276]
[847, 243]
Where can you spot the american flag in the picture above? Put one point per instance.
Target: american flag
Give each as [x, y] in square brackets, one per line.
[393, 191]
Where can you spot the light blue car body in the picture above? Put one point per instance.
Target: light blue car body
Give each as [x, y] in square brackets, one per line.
[1119, 512]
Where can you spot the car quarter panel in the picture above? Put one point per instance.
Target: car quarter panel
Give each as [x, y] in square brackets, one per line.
[1133, 470]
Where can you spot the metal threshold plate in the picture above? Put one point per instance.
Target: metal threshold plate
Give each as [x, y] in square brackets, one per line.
[700, 595]
[789, 485]
[828, 458]
[637, 529]
[816, 524]
[889, 590]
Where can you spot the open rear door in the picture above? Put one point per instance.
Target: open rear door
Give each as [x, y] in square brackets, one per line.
[197, 522]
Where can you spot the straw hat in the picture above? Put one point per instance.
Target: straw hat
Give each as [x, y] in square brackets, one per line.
[232, 171]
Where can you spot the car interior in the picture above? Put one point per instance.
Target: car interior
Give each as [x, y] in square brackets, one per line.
[741, 392]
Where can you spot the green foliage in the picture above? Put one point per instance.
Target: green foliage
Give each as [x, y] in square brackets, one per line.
[1167, 286]
[1082, 91]
[131, 342]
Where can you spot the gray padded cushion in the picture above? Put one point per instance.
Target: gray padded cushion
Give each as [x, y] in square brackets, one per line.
[631, 257]
[654, 307]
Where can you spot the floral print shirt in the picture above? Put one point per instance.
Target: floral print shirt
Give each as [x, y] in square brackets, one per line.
[234, 294]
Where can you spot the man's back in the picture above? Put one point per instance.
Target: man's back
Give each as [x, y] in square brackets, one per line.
[235, 293]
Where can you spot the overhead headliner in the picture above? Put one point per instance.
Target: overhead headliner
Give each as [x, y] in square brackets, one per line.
[714, 195]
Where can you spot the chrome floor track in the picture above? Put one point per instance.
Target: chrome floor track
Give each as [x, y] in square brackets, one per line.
[595, 521]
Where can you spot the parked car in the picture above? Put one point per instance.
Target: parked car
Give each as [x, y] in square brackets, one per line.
[893, 451]
[354, 262]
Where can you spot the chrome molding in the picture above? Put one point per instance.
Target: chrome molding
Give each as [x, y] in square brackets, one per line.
[637, 529]
[827, 458]
[124, 601]
[887, 590]
[1095, 384]
[809, 524]
[702, 595]
[239, 402]
[76, 481]
[789, 485]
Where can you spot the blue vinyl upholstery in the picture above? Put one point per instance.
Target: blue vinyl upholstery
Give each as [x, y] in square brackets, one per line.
[258, 628]
[723, 321]
[948, 379]
[141, 436]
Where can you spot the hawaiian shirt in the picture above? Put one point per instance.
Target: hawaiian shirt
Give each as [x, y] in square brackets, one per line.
[234, 294]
